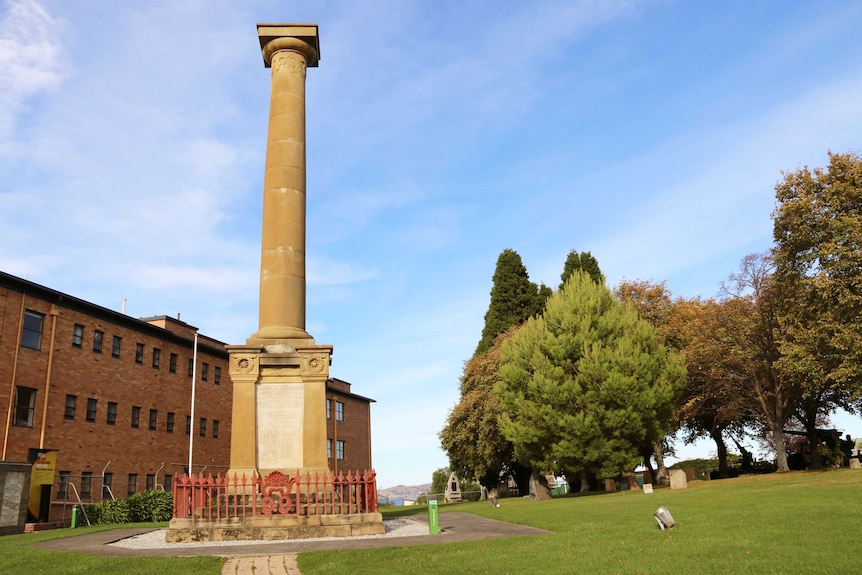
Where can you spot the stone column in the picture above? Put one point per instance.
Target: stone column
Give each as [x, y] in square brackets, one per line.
[288, 49]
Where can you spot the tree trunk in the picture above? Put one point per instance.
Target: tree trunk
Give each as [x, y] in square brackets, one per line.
[646, 454]
[585, 481]
[662, 477]
[809, 419]
[631, 480]
[780, 449]
[539, 488]
[521, 475]
[721, 450]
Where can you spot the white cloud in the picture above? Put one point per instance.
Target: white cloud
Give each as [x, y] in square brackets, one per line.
[30, 59]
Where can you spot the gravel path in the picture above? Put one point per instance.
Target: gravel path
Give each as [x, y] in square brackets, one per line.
[156, 539]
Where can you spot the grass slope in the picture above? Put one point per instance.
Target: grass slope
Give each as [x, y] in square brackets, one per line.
[795, 523]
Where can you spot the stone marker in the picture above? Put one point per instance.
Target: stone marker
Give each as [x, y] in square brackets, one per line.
[677, 479]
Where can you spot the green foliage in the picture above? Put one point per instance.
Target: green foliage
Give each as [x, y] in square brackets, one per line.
[141, 507]
[586, 383]
[584, 262]
[439, 479]
[471, 437]
[818, 265]
[703, 467]
[514, 298]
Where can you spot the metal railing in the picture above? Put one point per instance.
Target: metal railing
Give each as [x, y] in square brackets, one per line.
[216, 498]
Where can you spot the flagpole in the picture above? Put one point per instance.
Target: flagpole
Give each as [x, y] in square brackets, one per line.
[192, 417]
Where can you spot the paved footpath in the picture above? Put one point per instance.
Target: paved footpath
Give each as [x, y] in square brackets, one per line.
[279, 557]
[261, 565]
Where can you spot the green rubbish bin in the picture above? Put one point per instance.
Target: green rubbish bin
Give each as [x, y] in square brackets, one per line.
[433, 523]
[74, 517]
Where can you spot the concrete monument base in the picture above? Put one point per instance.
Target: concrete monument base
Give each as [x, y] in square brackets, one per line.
[274, 528]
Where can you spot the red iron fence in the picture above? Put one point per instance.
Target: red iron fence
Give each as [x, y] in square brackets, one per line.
[215, 498]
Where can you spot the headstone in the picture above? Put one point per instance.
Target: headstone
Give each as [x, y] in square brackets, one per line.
[610, 485]
[647, 487]
[678, 479]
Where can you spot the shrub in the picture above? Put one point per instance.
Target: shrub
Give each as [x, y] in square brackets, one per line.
[142, 507]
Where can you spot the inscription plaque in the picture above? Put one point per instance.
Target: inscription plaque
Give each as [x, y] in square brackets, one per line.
[279, 408]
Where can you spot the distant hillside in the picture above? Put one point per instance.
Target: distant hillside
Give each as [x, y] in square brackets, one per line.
[409, 492]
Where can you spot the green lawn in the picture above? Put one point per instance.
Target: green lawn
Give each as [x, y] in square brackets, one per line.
[793, 523]
[17, 557]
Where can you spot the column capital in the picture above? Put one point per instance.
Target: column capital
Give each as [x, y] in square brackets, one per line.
[302, 38]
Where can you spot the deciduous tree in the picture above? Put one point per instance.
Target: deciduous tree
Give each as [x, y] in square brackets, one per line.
[818, 265]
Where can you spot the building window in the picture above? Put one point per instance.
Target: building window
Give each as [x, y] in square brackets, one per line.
[205, 371]
[133, 484]
[329, 449]
[86, 482]
[157, 356]
[115, 346]
[154, 419]
[191, 368]
[63, 484]
[203, 430]
[112, 413]
[339, 449]
[139, 353]
[107, 481]
[91, 409]
[169, 482]
[77, 335]
[31, 332]
[217, 375]
[98, 336]
[151, 481]
[170, 424]
[173, 363]
[339, 411]
[25, 406]
[71, 404]
[215, 428]
[328, 409]
[136, 416]
[188, 425]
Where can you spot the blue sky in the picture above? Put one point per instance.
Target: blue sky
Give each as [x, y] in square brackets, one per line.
[650, 133]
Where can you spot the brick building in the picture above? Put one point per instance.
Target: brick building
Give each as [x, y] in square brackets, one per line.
[105, 399]
[348, 428]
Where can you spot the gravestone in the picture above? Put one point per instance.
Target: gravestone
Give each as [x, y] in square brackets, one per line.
[678, 479]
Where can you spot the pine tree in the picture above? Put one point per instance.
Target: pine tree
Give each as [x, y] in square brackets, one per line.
[583, 261]
[586, 383]
[514, 298]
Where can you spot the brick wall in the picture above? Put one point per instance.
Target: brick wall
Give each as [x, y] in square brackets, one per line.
[79, 371]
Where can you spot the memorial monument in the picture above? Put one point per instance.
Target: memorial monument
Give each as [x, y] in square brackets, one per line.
[279, 484]
[279, 375]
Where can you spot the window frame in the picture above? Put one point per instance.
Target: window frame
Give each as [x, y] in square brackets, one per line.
[157, 357]
[116, 346]
[171, 421]
[31, 335]
[136, 417]
[28, 420]
[98, 340]
[172, 363]
[71, 407]
[111, 414]
[139, 353]
[78, 335]
[92, 410]
[154, 420]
